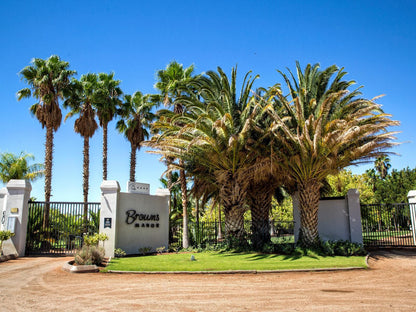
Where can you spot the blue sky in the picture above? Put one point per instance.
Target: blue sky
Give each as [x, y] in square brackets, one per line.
[374, 40]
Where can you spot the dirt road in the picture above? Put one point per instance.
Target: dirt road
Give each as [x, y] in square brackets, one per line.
[40, 284]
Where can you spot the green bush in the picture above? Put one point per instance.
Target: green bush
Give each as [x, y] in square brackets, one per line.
[92, 240]
[161, 249]
[4, 235]
[343, 248]
[145, 250]
[119, 253]
[89, 255]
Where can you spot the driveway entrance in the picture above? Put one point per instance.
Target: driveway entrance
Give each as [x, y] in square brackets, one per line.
[40, 284]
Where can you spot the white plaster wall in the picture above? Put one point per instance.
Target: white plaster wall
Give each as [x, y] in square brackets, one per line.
[3, 193]
[16, 206]
[333, 221]
[129, 237]
[334, 218]
[110, 192]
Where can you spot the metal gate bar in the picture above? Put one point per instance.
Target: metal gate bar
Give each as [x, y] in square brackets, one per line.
[387, 225]
[66, 227]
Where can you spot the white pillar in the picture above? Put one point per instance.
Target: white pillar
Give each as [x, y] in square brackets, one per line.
[3, 196]
[16, 216]
[411, 196]
[110, 191]
[354, 215]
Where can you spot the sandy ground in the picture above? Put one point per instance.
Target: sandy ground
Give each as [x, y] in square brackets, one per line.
[40, 284]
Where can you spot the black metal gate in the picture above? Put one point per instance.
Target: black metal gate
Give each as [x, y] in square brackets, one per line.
[63, 232]
[387, 225]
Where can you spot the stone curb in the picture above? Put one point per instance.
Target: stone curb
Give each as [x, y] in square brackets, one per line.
[366, 260]
[238, 271]
[69, 267]
[8, 257]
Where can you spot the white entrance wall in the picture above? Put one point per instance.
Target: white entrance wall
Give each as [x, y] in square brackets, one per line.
[133, 220]
[411, 196]
[338, 219]
[14, 200]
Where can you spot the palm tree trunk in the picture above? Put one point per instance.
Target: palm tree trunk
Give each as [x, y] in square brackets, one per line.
[169, 160]
[48, 174]
[309, 205]
[105, 144]
[233, 199]
[133, 163]
[185, 235]
[86, 175]
[260, 201]
[197, 236]
[219, 224]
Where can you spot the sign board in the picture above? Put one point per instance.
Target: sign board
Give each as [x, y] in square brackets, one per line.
[141, 221]
[107, 223]
[11, 224]
[14, 210]
[138, 188]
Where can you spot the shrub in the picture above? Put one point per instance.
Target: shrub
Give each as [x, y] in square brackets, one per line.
[92, 240]
[4, 235]
[89, 255]
[119, 253]
[145, 250]
[343, 248]
[160, 250]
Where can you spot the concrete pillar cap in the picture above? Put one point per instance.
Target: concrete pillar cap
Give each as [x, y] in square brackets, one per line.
[162, 192]
[19, 184]
[110, 186]
[411, 194]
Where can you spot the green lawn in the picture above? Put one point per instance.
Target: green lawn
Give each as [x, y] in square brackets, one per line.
[215, 261]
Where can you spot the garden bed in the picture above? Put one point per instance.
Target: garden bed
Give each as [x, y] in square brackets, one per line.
[72, 267]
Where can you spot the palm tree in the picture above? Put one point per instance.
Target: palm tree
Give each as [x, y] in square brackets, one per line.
[47, 80]
[322, 129]
[212, 139]
[265, 175]
[80, 100]
[172, 82]
[17, 167]
[109, 100]
[382, 165]
[136, 117]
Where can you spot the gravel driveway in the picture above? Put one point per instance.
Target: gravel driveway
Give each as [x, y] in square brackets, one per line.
[40, 284]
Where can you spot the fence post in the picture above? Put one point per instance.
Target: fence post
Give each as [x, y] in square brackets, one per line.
[16, 215]
[411, 196]
[354, 215]
[110, 191]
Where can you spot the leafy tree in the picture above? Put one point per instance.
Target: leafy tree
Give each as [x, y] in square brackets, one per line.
[322, 129]
[136, 116]
[109, 93]
[17, 167]
[345, 180]
[395, 187]
[47, 80]
[171, 83]
[80, 100]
